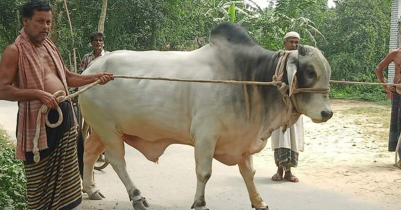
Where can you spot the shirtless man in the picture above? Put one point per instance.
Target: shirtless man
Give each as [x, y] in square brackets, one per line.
[395, 122]
[31, 71]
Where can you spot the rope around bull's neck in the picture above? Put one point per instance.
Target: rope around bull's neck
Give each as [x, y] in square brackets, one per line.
[283, 89]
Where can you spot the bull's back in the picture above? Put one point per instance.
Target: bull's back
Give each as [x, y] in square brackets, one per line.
[146, 108]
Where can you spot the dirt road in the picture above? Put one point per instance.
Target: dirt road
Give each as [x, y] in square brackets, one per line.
[345, 166]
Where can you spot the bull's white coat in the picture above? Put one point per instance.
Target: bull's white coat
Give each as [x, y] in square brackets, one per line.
[174, 112]
[150, 115]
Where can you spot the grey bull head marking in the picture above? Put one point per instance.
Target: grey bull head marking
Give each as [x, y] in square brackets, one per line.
[309, 85]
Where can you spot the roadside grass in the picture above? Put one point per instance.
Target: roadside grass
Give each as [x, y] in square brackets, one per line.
[12, 177]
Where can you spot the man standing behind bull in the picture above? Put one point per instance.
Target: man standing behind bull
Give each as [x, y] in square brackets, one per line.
[31, 72]
[97, 42]
[287, 144]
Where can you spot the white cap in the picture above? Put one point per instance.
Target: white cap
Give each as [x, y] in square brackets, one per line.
[292, 34]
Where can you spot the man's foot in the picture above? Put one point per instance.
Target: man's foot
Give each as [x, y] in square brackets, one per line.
[277, 177]
[291, 178]
[399, 164]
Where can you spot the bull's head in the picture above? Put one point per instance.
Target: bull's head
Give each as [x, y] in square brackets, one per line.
[309, 75]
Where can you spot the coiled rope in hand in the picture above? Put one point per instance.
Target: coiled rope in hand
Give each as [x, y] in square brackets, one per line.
[61, 97]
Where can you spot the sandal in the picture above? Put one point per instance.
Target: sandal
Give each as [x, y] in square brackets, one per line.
[291, 178]
[277, 177]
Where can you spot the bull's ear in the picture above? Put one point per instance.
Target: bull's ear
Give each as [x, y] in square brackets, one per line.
[292, 63]
[302, 50]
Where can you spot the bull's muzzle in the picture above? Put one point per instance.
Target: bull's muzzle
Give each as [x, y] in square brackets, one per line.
[326, 115]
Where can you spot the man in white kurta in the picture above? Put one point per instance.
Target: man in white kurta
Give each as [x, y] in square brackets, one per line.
[288, 144]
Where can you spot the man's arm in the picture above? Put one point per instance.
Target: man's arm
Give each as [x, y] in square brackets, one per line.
[381, 66]
[78, 80]
[8, 74]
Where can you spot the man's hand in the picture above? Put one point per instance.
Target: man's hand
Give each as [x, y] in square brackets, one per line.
[47, 99]
[105, 78]
[389, 88]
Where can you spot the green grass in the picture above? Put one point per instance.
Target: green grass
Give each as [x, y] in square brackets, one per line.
[12, 177]
[358, 92]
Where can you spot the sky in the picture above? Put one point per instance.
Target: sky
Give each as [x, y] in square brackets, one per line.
[263, 3]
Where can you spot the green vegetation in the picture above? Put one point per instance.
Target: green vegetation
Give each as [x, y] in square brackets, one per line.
[12, 177]
[353, 35]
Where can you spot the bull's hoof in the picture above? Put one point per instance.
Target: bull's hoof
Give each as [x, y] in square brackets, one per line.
[199, 208]
[96, 196]
[261, 208]
[140, 204]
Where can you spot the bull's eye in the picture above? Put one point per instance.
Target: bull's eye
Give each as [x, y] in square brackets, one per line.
[311, 73]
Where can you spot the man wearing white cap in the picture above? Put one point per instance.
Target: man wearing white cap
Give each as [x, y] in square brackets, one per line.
[291, 40]
[288, 144]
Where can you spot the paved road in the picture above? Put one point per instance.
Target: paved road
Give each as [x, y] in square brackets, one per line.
[170, 185]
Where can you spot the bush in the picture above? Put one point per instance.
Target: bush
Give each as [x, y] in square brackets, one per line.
[12, 177]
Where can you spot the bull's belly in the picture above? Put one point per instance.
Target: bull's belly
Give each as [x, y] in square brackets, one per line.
[152, 140]
[229, 150]
[236, 150]
[228, 155]
[152, 150]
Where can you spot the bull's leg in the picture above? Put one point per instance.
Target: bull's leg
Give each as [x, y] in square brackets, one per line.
[204, 151]
[85, 129]
[115, 156]
[93, 147]
[248, 172]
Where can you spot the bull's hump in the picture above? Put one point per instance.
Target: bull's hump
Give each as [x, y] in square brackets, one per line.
[233, 33]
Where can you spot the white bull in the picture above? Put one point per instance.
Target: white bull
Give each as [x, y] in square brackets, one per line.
[225, 122]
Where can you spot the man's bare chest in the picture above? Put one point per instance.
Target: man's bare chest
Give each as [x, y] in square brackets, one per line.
[47, 61]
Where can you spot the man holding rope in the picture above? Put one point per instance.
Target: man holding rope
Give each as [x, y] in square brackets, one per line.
[395, 122]
[31, 72]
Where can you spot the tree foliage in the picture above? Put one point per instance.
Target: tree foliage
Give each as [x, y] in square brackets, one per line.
[358, 40]
[354, 35]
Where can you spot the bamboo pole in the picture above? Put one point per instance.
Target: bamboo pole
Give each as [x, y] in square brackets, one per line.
[102, 18]
[75, 61]
[72, 36]
[69, 22]
[69, 57]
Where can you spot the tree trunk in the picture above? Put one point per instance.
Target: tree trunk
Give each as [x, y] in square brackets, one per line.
[153, 36]
[102, 19]
[57, 14]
